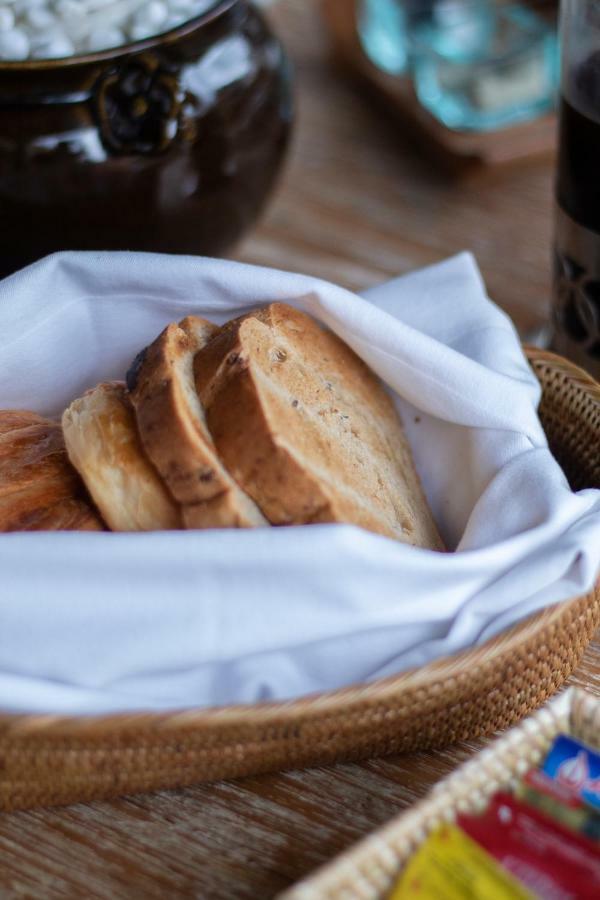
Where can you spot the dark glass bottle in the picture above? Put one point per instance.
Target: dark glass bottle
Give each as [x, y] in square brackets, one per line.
[576, 300]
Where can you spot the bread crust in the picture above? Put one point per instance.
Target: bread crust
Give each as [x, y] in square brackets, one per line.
[306, 428]
[174, 433]
[39, 489]
[103, 445]
[10, 419]
[35, 509]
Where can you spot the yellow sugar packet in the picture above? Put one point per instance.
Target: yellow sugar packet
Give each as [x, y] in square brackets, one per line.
[449, 865]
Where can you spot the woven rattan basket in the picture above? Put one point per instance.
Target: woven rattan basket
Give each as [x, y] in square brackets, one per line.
[368, 870]
[48, 760]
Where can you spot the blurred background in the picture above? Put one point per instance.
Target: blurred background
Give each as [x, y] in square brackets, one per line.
[349, 139]
[366, 195]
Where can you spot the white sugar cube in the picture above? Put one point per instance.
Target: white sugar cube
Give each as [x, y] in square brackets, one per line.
[39, 19]
[104, 38]
[14, 44]
[54, 45]
[7, 18]
[49, 29]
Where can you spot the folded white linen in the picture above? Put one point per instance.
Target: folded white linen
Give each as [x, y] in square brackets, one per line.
[97, 622]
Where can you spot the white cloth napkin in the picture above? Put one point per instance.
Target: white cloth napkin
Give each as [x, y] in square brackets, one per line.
[93, 623]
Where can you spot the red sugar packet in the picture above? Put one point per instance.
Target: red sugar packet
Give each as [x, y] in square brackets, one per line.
[552, 861]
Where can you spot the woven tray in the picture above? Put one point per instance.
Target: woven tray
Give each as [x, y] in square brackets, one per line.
[46, 760]
[369, 869]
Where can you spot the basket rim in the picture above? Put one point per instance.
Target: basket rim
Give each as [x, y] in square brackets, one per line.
[388, 847]
[324, 703]
[537, 355]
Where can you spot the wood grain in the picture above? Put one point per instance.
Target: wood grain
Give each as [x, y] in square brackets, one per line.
[356, 205]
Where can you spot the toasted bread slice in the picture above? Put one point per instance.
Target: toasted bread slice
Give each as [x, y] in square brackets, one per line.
[39, 489]
[306, 428]
[103, 445]
[173, 430]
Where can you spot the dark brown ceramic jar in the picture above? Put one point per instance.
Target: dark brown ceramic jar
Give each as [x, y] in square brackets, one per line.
[169, 144]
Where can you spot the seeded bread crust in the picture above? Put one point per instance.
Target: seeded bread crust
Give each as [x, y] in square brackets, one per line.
[173, 430]
[102, 442]
[39, 489]
[307, 430]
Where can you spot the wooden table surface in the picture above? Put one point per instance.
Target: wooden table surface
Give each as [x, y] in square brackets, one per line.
[356, 205]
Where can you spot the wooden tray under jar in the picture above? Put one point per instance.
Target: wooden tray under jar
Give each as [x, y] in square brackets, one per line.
[46, 760]
[369, 870]
[519, 141]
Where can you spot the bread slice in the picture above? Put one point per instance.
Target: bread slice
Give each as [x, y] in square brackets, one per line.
[307, 430]
[103, 445]
[173, 430]
[39, 489]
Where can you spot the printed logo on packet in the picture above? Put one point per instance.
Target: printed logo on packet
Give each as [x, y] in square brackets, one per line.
[559, 801]
[573, 764]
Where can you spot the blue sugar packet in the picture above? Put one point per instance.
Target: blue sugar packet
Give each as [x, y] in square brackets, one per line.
[573, 764]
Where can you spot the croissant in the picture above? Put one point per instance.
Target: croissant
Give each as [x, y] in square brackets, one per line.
[39, 489]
